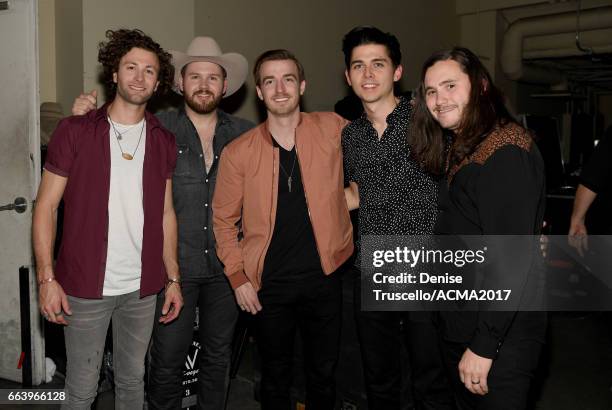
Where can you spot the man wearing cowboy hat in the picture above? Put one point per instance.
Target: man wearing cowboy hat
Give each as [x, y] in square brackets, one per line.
[203, 75]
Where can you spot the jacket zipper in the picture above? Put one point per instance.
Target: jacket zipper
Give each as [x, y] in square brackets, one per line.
[307, 204]
[272, 217]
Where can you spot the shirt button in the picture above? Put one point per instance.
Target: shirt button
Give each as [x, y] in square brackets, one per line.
[200, 155]
[180, 151]
[206, 228]
[207, 180]
[206, 251]
[206, 204]
[216, 157]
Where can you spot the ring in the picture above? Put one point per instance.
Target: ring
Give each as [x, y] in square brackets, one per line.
[475, 381]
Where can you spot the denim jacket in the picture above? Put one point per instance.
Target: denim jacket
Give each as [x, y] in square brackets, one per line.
[192, 190]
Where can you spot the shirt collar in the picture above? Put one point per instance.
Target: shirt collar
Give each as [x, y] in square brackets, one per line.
[268, 134]
[403, 105]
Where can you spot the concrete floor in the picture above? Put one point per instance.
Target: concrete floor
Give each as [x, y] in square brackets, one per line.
[576, 370]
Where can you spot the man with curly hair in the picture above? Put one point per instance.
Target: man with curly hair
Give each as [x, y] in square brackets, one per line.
[113, 169]
[203, 76]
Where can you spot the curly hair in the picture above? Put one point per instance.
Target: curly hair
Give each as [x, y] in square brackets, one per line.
[119, 43]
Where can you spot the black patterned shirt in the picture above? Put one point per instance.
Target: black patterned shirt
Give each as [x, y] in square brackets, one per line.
[396, 197]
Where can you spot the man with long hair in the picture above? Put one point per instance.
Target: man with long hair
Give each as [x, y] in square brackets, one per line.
[493, 185]
[113, 169]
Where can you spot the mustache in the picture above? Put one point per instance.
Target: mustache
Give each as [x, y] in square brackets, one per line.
[443, 107]
[281, 96]
[203, 92]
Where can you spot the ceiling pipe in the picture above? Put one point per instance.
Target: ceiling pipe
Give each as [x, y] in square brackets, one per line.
[563, 44]
[563, 52]
[512, 48]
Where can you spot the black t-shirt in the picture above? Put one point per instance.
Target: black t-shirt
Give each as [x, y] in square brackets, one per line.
[292, 253]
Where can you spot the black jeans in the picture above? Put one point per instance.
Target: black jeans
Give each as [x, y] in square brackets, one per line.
[217, 319]
[512, 371]
[395, 378]
[314, 306]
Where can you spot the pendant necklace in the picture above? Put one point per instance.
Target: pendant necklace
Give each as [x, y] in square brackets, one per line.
[118, 136]
[289, 175]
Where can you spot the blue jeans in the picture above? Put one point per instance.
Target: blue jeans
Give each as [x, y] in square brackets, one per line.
[85, 336]
[218, 315]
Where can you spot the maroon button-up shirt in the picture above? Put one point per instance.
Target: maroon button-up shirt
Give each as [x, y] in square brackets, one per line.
[80, 151]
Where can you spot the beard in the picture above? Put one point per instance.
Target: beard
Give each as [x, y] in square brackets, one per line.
[203, 107]
[134, 98]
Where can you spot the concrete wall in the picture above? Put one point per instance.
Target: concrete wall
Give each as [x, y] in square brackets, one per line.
[313, 30]
[68, 51]
[70, 30]
[170, 23]
[46, 50]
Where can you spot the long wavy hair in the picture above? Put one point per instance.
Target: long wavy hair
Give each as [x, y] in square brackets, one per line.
[119, 43]
[485, 110]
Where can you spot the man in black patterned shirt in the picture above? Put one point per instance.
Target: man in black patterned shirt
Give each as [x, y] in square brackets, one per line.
[395, 197]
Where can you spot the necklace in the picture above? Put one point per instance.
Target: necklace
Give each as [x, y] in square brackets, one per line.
[118, 136]
[289, 175]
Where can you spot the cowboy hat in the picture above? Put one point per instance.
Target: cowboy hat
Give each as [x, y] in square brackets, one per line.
[206, 49]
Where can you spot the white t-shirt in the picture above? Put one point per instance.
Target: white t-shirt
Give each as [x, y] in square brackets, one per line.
[125, 210]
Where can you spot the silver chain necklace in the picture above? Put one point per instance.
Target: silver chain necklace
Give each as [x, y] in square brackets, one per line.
[119, 137]
[289, 174]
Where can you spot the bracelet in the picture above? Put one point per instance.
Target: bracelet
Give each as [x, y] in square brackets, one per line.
[47, 280]
[171, 281]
